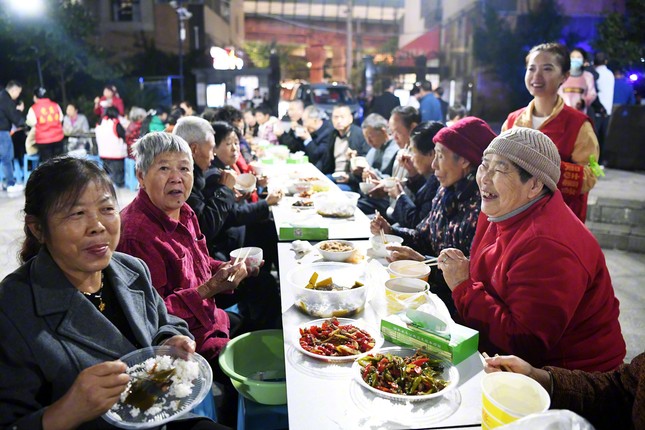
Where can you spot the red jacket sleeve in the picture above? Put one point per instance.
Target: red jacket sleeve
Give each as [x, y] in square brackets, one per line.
[534, 304]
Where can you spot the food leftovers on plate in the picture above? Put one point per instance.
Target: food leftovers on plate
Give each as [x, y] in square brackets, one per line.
[336, 246]
[305, 194]
[333, 339]
[303, 203]
[328, 284]
[415, 375]
[336, 214]
[156, 385]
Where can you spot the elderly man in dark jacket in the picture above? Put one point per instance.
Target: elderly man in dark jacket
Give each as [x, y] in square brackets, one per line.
[9, 114]
[315, 135]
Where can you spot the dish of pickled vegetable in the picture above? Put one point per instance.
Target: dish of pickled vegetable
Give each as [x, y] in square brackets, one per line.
[336, 339]
[405, 374]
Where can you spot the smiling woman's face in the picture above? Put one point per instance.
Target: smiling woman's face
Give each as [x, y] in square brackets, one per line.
[543, 74]
[82, 237]
[168, 181]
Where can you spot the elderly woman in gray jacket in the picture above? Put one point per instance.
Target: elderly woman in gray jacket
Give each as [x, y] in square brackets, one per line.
[75, 306]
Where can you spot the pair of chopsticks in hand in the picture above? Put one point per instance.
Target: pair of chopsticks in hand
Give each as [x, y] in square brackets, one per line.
[503, 367]
[237, 260]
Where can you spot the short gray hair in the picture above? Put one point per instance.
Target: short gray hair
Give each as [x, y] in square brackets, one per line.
[313, 112]
[152, 144]
[193, 129]
[137, 114]
[375, 121]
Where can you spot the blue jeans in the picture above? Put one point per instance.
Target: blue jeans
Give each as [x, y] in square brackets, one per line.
[6, 158]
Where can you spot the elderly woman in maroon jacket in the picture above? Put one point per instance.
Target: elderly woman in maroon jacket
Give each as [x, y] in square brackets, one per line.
[536, 285]
[160, 228]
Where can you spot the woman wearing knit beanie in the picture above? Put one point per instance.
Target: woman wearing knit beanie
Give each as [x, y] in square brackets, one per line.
[452, 219]
[547, 68]
[536, 284]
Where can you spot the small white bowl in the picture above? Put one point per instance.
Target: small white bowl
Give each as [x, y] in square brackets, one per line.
[339, 256]
[388, 182]
[378, 248]
[245, 183]
[253, 259]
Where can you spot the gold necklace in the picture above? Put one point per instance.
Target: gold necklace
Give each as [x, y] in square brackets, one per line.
[98, 295]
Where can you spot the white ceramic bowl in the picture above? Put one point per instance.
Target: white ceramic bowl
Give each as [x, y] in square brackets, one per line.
[379, 248]
[324, 304]
[245, 183]
[408, 269]
[388, 182]
[254, 257]
[358, 162]
[335, 255]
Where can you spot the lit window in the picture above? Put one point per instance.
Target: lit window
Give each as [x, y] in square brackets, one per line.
[126, 10]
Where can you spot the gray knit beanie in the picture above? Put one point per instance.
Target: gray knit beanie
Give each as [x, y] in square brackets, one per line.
[532, 150]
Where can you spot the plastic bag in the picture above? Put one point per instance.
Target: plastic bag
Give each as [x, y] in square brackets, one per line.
[555, 419]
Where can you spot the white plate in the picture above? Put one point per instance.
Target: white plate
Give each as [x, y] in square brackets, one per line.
[119, 415]
[378, 339]
[450, 374]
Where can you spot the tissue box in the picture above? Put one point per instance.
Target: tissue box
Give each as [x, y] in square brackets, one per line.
[462, 344]
[303, 233]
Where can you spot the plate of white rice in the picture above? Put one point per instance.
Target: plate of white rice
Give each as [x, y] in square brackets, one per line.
[186, 381]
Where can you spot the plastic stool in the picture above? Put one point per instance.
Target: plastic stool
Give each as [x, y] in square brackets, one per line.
[252, 415]
[17, 171]
[207, 407]
[96, 159]
[129, 169]
[35, 159]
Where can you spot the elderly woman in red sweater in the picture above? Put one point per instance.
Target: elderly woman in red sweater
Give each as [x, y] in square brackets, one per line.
[536, 284]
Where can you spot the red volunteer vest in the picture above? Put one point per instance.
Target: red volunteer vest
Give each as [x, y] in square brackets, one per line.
[49, 127]
[563, 131]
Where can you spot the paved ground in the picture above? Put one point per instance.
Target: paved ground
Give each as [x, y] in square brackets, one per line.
[627, 268]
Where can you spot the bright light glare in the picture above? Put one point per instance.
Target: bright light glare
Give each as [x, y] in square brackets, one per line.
[633, 77]
[28, 7]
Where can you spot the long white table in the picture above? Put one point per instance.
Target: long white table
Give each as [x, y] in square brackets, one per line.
[285, 215]
[325, 396]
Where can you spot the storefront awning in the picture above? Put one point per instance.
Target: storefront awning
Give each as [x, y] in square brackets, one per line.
[427, 44]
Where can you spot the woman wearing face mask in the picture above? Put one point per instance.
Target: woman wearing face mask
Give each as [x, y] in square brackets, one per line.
[547, 68]
[579, 90]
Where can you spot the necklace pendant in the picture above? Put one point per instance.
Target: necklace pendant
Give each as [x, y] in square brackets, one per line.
[101, 306]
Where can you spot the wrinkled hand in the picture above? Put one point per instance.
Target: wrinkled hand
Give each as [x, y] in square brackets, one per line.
[455, 267]
[274, 197]
[93, 392]
[379, 223]
[278, 129]
[253, 270]
[400, 252]
[405, 161]
[220, 283]
[302, 133]
[241, 196]
[351, 153]
[396, 190]
[517, 365]
[227, 179]
[181, 342]
[369, 174]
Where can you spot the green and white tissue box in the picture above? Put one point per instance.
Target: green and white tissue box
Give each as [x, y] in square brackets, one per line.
[462, 344]
[303, 233]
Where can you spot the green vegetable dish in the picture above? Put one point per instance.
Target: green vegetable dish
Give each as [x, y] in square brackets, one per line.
[416, 375]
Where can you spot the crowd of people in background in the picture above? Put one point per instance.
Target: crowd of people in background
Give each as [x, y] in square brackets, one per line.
[504, 214]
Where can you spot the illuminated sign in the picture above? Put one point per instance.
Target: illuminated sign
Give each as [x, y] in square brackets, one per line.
[225, 59]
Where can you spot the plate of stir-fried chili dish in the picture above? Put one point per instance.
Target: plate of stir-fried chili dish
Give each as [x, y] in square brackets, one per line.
[337, 339]
[405, 374]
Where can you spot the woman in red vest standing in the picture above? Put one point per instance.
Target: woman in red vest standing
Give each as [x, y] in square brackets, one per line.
[547, 67]
[46, 117]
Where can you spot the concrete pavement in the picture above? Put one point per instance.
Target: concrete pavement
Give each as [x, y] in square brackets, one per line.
[615, 196]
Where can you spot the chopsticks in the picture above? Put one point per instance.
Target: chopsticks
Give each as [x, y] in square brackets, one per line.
[237, 260]
[503, 366]
[383, 237]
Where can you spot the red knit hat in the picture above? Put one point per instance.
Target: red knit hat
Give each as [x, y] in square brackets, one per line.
[467, 138]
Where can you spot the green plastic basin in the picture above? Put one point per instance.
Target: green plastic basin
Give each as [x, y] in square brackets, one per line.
[255, 363]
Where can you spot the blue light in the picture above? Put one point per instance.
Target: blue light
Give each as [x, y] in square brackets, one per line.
[633, 77]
